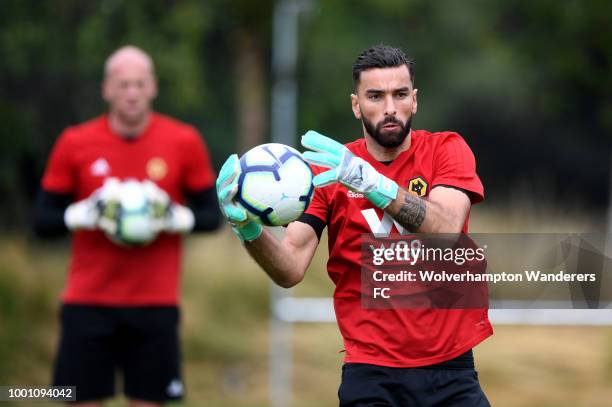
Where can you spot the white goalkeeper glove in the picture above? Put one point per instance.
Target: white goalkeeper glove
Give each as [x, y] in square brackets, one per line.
[227, 186]
[87, 214]
[167, 216]
[354, 172]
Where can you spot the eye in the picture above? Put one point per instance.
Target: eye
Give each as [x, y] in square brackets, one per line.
[402, 95]
[374, 96]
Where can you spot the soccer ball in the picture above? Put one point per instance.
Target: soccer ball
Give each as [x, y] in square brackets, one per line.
[133, 215]
[275, 184]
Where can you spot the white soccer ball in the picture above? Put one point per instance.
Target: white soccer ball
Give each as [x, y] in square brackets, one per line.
[275, 184]
[133, 215]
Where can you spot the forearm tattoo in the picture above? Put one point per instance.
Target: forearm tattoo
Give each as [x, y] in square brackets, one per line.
[412, 213]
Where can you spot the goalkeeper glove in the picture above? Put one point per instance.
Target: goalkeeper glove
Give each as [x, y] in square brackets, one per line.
[227, 186]
[167, 216]
[354, 172]
[93, 212]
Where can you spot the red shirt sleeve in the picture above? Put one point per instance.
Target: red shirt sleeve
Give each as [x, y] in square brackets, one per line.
[199, 173]
[59, 174]
[319, 206]
[455, 166]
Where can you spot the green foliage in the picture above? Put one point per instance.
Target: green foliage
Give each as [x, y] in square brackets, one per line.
[521, 81]
[515, 78]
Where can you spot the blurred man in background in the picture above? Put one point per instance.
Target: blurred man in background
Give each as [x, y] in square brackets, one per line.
[120, 303]
[424, 182]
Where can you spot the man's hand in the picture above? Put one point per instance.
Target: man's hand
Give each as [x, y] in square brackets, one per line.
[353, 172]
[83, 214]
[95, 211]
[227, 187]
[167, 216]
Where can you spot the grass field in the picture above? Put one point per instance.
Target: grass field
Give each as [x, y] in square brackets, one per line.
[225, 329]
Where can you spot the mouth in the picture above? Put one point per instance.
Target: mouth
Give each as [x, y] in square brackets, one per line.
[391, 127]
[132, 107]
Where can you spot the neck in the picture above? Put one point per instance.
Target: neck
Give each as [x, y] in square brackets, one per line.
[381, 153]
[125, 129]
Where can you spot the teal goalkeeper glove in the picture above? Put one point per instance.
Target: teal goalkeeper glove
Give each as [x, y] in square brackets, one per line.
[354, 172]
[227, 187]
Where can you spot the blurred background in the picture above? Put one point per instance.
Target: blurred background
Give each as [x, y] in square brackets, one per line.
[527, 84]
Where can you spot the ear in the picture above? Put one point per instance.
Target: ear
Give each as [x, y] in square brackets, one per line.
[414, 101]
[106, 92]
[355, 106]
[154, 89]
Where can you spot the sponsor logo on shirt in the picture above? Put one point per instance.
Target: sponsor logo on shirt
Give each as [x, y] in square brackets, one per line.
[382, 226]
[100, 168]
[352, 194]
[417, 186]
[156, 168]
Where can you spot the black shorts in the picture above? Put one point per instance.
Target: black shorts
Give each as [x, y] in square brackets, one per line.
[453, 384]
[140, 342]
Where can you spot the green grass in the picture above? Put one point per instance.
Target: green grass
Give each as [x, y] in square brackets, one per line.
[225, 329]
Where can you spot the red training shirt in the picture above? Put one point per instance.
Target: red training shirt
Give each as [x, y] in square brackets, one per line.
[168, 152]
[397, 337]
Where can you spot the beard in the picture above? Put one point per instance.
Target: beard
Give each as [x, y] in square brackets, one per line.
[387, 139]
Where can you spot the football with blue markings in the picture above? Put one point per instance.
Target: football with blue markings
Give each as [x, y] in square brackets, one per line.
[275, 184]
[132, 215]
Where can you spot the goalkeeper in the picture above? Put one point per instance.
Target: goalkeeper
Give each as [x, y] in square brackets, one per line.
[425, 182]
[119, 305]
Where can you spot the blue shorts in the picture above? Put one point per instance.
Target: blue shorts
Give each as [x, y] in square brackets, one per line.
[449, 384]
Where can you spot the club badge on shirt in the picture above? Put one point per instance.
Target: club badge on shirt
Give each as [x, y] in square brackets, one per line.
[156, 168]
[417, 186]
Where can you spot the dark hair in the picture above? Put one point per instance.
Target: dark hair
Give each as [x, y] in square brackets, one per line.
[381, 56]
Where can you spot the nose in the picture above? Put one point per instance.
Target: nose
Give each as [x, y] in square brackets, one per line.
[132, 91]
[390, 108]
